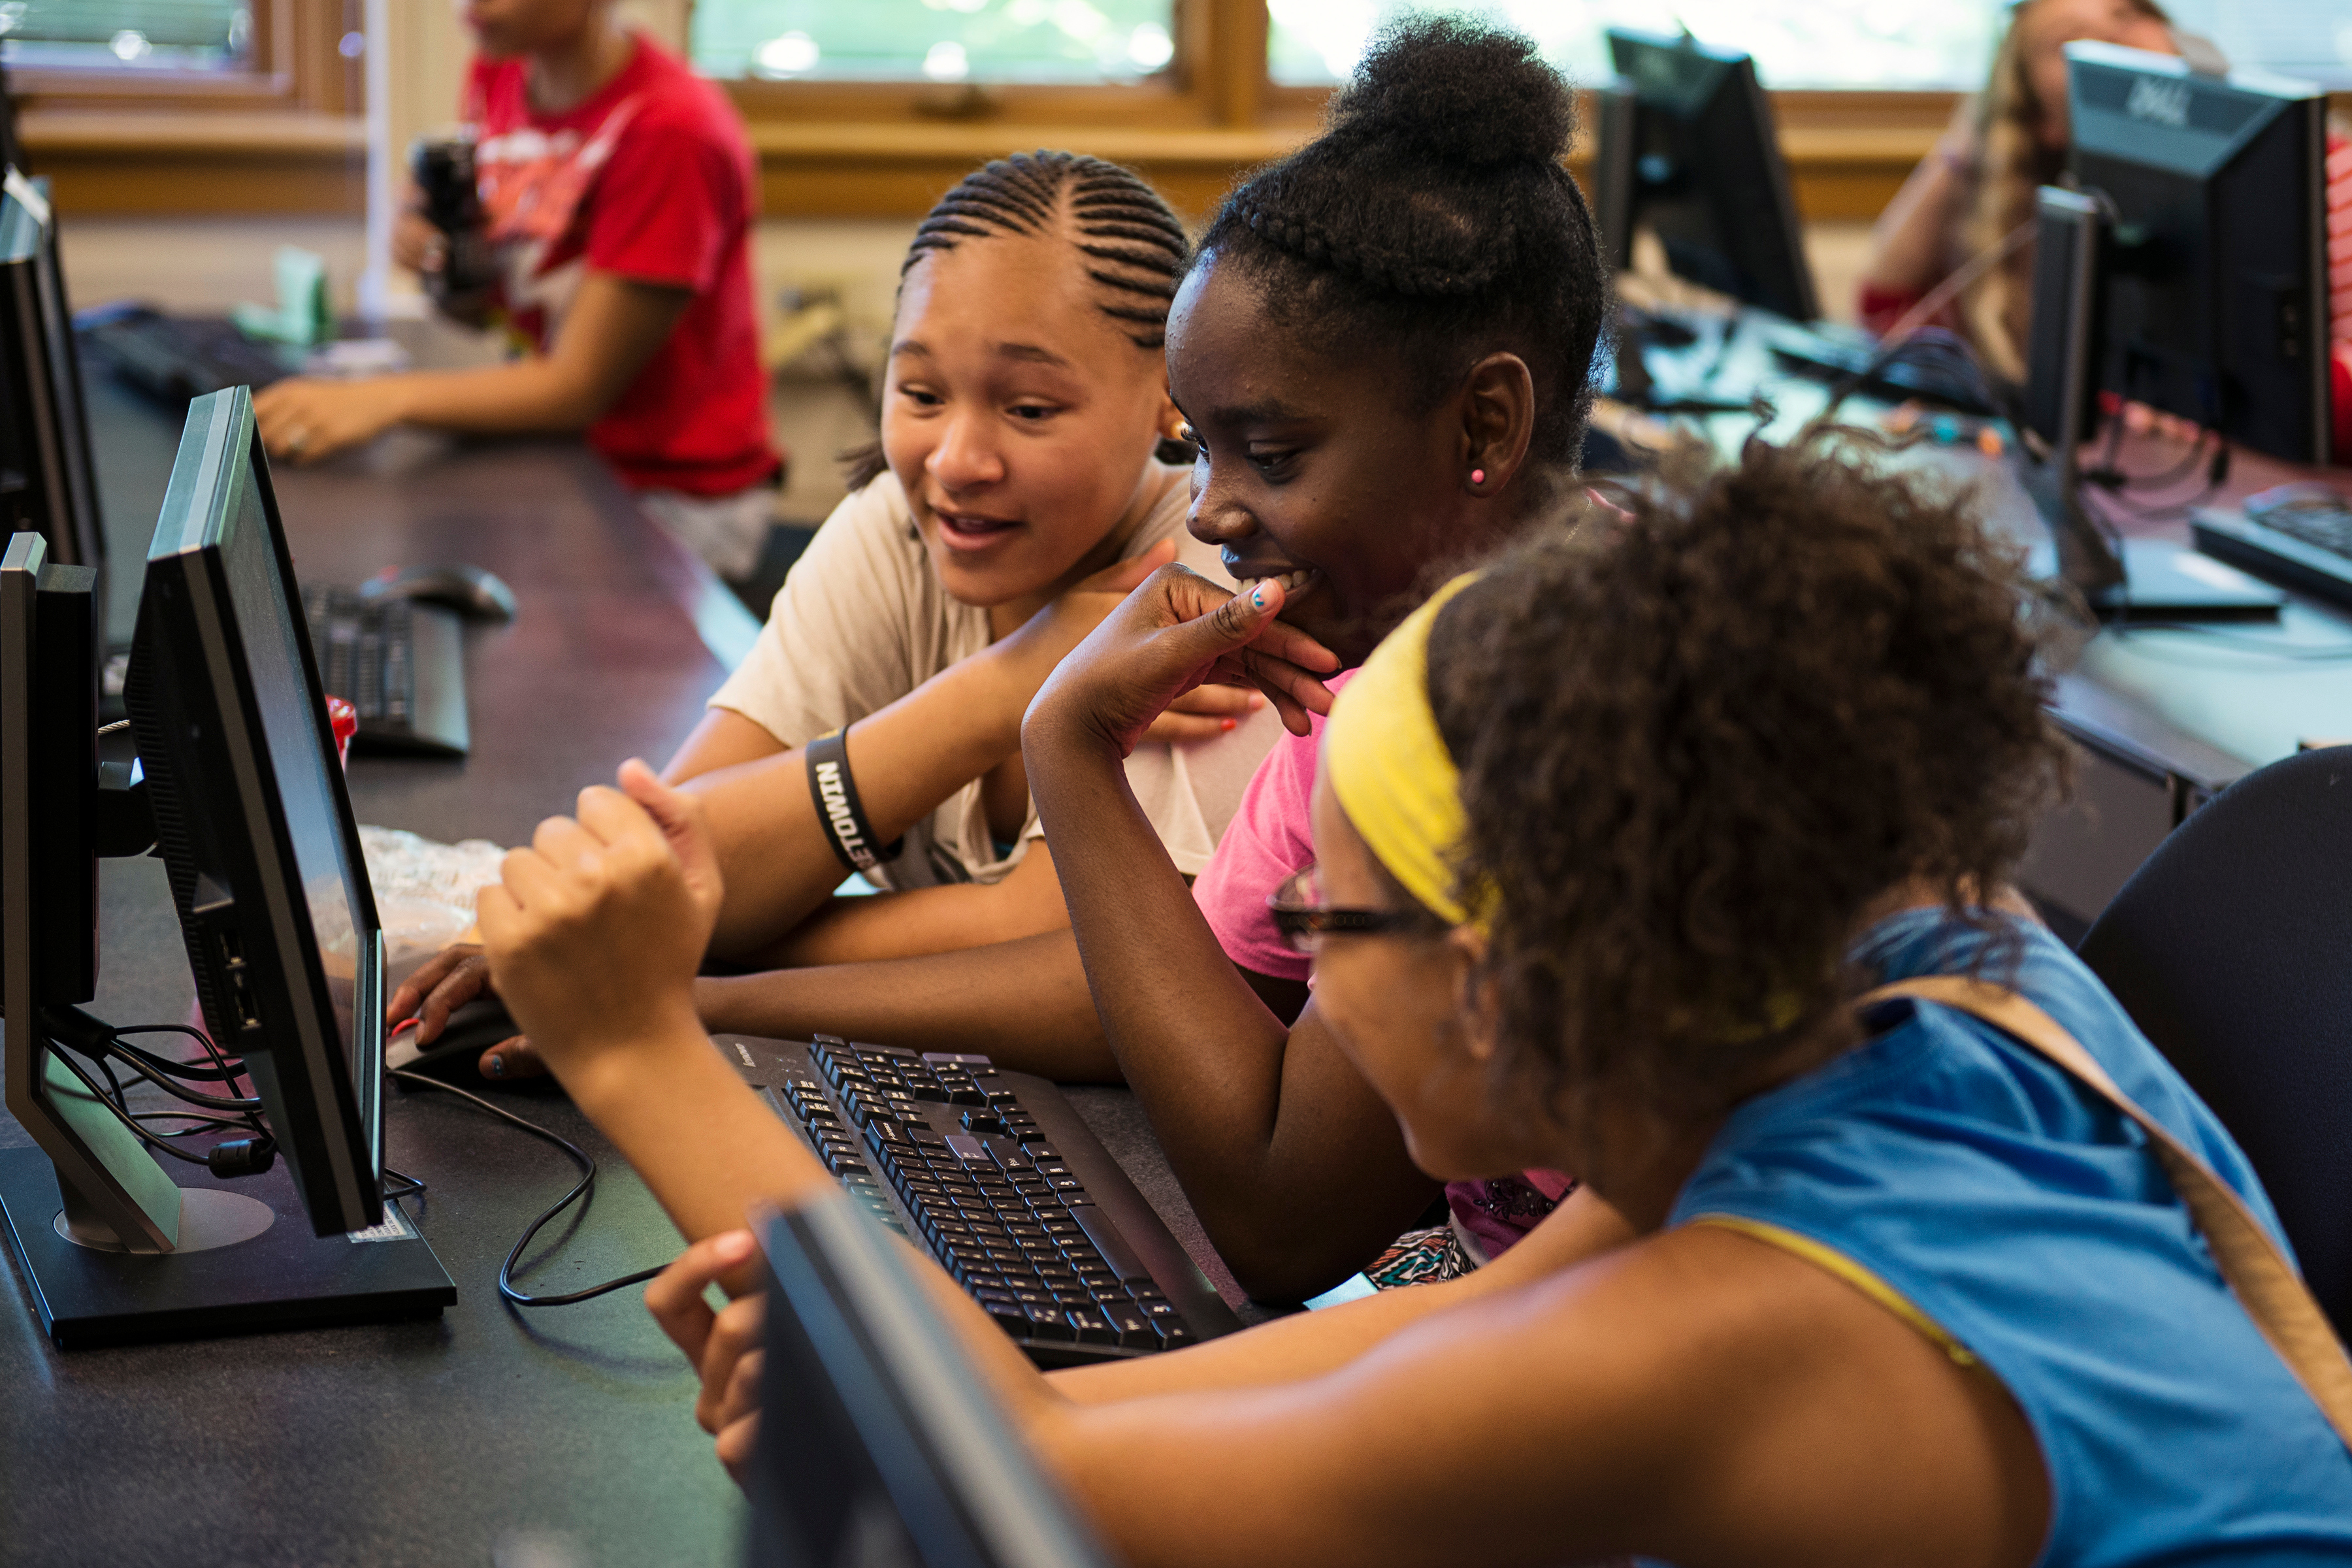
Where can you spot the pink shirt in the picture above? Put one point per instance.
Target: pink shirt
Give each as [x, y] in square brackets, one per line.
[1271, 837]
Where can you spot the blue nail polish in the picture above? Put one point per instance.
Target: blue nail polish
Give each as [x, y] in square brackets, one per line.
[497, 1067]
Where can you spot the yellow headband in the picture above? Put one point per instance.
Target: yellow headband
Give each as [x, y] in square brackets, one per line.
[1389, 766]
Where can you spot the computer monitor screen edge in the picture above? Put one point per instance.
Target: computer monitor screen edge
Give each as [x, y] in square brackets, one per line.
[278, 920]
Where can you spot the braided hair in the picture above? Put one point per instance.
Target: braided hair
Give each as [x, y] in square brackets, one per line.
[1433, 215]
[1135, 245]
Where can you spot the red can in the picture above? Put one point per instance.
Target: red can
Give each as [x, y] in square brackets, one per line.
[345, 718]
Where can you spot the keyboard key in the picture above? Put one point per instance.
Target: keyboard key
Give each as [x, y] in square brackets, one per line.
[1110, 1243]
[1008, 1315]
[1091, 1326]
[979, 1122]
[1173, 1334]
[1134, 1330]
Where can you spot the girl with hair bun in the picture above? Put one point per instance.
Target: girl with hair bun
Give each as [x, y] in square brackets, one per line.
[1672, 849]
[1014, 495]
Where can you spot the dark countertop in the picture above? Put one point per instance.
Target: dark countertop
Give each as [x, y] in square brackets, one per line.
[563, 1437]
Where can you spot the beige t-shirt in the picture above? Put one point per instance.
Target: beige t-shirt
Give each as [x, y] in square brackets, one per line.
[862, 621]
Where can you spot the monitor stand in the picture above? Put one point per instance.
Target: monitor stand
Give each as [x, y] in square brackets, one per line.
[2149, 579]
[247, 1261]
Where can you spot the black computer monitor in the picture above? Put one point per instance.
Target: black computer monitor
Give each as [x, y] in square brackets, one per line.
[2215, 279]
[1687, 147]
[46, 482]
[878, 1443]
[244, 796]
[252, 817]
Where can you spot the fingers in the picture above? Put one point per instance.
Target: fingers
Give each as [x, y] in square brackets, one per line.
[510, 1059]
[735, 1447]
[425, 977]
[675, 1297]
[466, 981]
[735, 1332]
[1176, 729]
[683, 821]
[1219, 701]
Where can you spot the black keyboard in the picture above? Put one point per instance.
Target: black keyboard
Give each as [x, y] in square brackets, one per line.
[2298, 536]
[994, 1173]
[399, 665]
[175, 358]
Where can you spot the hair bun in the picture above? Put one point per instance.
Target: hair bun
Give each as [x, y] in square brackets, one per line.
[1456, 91]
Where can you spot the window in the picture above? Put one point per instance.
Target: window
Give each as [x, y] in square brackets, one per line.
[1026, 42]
[1797, 43]
[140, 35]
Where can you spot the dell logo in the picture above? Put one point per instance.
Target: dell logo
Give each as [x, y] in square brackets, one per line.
[2155, 98]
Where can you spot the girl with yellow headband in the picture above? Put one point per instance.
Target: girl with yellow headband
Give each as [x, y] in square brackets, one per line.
[1621, 845]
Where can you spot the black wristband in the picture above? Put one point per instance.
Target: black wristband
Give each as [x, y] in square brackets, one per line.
[838, 810]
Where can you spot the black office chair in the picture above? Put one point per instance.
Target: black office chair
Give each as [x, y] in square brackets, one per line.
[2232, 949]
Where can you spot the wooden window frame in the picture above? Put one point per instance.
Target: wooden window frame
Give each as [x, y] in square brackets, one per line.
[282, 134]
[889, 149]
[295, 65]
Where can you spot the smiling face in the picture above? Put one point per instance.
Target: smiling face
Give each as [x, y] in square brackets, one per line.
[1020, 419]
[1317, 466]
[1394, 1003]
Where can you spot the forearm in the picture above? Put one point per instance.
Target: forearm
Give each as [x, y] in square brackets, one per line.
[928, 921]
[1297, 1169]
[529, 396]
[1308, 1344]
[1023, 1003]
[905, 759]
[1909, 242]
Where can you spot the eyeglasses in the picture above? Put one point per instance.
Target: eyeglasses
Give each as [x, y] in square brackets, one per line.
[1303, 919]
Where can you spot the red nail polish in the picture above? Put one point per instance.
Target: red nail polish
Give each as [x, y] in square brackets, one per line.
[1224, 723]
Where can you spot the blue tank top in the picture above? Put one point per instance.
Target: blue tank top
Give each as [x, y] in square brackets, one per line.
[2025, 1222]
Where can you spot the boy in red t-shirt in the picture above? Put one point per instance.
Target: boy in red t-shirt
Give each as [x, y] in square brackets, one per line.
[619, 191]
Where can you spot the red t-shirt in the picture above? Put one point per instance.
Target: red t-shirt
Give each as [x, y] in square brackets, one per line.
[652, 179]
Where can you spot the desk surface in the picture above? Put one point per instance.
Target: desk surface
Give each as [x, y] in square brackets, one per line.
[562, 1436]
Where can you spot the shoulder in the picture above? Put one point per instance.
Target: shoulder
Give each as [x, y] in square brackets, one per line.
[673, 104]
[491, 98]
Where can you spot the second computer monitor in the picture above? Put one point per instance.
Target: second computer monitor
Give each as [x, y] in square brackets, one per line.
[1688, 148]
[47, 483]
[2216, 272]
[252, 817]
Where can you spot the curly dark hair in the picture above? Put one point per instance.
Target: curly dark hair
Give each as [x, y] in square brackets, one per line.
[1698, 740]
[1434, 217]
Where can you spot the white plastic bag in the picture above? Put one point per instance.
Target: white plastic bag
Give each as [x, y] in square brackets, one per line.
[423, 890]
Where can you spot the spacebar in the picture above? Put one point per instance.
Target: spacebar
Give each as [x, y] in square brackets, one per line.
[1109, 1243]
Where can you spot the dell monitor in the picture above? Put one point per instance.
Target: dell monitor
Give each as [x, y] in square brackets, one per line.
[47, 483]
[1687, 147]
[879, 1444]
[246, 799]
[2216, 273]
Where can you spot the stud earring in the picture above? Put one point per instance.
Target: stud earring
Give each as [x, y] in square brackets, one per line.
[1477, 476]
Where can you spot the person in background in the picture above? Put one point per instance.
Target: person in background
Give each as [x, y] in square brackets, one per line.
[1974, 190]
[618, 189]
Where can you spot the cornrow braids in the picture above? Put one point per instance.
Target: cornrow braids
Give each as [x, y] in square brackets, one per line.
[1135, 247]
[1434, 217]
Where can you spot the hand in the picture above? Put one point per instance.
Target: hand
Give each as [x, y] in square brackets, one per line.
[1177, 632]
[723, 1346]
[418, 244]
[1040, 643]
[596, 930]
[305, 418]
[448, 980]
[1204, 713]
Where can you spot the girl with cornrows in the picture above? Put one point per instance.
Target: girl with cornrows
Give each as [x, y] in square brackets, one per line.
[1014, 496]
[1670, 849]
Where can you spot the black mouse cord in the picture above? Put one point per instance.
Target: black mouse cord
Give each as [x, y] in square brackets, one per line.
[579, 1191]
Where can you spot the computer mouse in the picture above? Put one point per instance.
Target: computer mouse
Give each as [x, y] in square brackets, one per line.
[455, 1054]
[474, 593]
